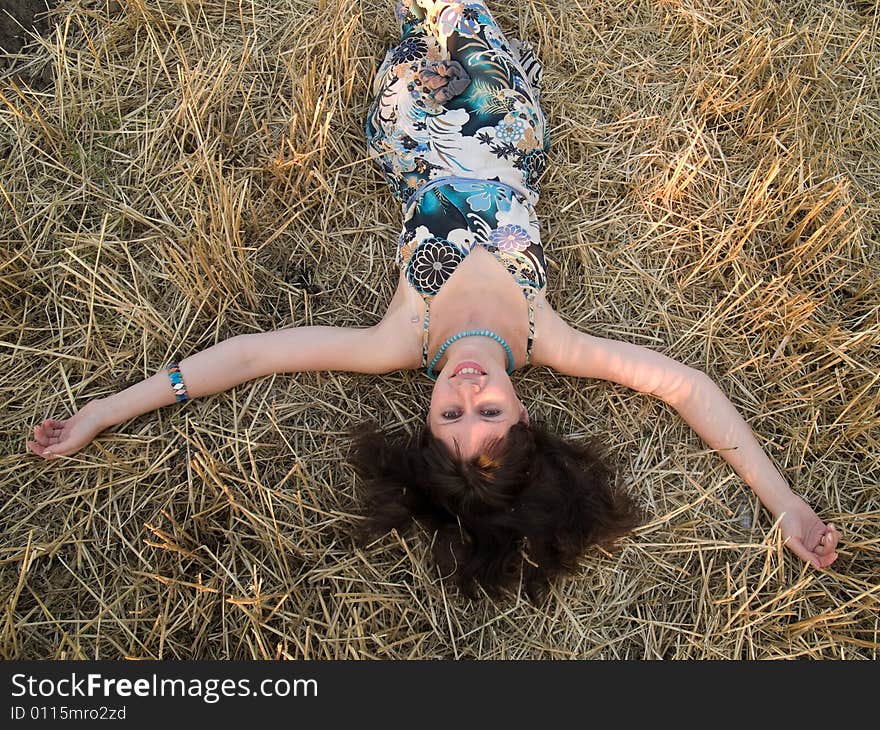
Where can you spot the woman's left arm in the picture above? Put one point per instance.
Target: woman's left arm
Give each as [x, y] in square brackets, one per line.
[706, 409]
[376, 349]
[384, 347]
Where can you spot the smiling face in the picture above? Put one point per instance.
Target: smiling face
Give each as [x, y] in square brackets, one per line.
[473, 401]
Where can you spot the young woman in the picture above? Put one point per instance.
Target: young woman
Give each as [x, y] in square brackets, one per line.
[457, 128]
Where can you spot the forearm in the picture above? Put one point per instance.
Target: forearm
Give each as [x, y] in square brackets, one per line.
[709, 412]
[212, 370]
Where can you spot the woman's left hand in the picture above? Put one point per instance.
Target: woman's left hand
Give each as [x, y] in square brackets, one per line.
[806, 535]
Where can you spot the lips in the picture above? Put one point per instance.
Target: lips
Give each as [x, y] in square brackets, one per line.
[468, 364]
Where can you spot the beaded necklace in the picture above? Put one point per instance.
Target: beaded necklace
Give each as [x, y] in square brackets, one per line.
[471, 333]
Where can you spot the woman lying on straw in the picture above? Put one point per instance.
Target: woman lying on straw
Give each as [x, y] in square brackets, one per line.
[458, 130]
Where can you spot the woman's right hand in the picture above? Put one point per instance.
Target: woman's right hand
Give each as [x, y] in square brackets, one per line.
[53, 437]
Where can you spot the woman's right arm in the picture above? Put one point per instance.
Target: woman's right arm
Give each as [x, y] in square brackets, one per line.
[703, 406]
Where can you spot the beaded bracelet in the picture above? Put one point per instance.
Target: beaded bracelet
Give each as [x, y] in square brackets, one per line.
[177, 382]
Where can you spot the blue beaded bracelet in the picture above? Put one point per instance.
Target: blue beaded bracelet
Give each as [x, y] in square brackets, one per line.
[177, 382]
[471, 333]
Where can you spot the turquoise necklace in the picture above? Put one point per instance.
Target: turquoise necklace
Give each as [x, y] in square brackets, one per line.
[471, 333]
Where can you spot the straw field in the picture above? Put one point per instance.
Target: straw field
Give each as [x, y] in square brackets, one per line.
[176, 172]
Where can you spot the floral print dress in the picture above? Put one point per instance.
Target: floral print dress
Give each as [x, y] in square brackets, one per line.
[457, 128]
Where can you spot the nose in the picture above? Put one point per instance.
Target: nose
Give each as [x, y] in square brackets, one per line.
[468, 383]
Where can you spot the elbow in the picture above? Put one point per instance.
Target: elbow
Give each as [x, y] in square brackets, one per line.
[683, 386]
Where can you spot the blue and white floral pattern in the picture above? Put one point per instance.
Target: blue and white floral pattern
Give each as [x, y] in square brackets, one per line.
[432, 263]
[474, 110]
[477, 213]
[510, 238]
[456, 99]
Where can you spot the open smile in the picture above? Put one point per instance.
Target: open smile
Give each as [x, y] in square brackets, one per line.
[468, 367]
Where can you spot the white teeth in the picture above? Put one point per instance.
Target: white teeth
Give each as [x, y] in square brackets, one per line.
[469, 371]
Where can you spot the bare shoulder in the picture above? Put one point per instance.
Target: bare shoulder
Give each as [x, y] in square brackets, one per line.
[396, 334]
[569, 351]
[552, 334]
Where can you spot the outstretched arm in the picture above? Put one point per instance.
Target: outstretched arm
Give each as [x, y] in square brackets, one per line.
[223, 366]
[212, 370]
[706, 409]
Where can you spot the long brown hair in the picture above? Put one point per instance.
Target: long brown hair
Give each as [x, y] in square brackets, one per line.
[525, 508]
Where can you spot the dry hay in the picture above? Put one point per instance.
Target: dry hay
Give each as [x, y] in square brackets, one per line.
[195, 169]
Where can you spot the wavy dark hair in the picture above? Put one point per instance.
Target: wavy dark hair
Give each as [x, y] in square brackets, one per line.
[524, 509]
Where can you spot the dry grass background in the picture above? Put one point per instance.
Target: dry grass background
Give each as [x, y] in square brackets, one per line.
[175, 172]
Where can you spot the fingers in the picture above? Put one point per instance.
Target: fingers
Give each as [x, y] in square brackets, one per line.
[824, 546]
[828, 540]
[827, 549]
[824, 554]
[40, 450]
[48, 432]
[44, 431]
[40, 435]
[47, 435]
[799, 549]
